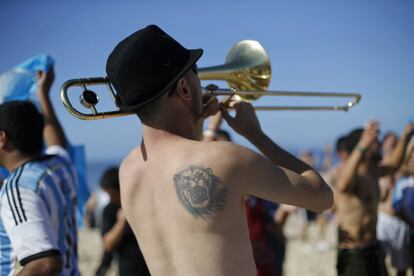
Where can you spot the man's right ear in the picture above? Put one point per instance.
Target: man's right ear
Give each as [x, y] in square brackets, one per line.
[183, 89]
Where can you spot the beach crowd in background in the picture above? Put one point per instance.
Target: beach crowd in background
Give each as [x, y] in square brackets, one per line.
[371, 172]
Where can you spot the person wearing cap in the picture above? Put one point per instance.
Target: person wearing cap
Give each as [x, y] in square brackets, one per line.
[183, 197]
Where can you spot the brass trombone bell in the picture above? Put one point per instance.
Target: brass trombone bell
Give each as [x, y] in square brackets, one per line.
[247, 71]
[247, 68]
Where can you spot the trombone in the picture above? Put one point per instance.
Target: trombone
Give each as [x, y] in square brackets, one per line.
[247, 71]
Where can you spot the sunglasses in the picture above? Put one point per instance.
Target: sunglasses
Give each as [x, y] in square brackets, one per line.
[193, 68]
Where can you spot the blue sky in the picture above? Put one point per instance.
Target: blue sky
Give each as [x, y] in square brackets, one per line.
[320, 45]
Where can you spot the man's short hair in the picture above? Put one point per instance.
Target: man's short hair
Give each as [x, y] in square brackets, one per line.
[110, 179]
[150, 111]
[341, 144]
[353, 139]
[23, 125]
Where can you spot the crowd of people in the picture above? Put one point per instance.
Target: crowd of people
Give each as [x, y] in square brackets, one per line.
[192, 202]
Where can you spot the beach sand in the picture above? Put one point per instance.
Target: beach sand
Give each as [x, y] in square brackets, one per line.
[309, 257]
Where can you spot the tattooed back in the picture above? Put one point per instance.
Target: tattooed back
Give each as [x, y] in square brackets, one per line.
[184, 203]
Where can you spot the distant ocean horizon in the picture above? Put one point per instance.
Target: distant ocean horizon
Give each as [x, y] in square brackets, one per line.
[95, 168]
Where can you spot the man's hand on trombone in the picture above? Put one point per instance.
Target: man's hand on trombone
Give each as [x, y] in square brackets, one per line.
[245, 121]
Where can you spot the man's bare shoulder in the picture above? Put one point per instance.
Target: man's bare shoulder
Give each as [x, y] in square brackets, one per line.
[131, 156]
[228, 152]
[228, 147]
[130, 162]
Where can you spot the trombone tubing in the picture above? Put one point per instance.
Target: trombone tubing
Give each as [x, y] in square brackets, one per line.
[356, 96]
[83, 82]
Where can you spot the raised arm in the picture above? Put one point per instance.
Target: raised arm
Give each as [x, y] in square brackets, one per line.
[211, 107]
[408, 166]
[210, 133]
[347, 177]
[53, 132]
[396, 157]
[285, 179]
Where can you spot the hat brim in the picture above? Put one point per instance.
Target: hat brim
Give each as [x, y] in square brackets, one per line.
[195, 55]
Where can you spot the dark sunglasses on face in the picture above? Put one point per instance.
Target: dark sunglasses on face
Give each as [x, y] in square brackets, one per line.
[194, 68]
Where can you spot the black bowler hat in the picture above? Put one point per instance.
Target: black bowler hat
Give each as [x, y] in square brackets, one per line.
[145, 65]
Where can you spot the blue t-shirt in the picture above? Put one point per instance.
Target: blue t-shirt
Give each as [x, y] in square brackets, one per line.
[403, 197]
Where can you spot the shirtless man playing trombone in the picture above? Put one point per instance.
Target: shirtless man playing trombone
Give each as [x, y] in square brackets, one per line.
[183, 197]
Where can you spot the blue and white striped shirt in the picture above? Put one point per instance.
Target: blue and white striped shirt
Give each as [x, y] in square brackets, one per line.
[38, 213]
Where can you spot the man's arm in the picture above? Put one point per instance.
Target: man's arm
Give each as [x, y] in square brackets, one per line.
[396, 157]
[210, 107]
[347, 177]
[113, 234]
[47, 266]
[213, 126]
[407, 169]
[408, 166]
[285, 179]
[53, 132]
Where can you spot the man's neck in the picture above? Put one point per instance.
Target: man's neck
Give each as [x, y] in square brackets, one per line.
[15, 160]
[152, 134]
[173, 126]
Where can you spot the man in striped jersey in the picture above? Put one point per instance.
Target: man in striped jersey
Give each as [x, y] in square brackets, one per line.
[37, 200]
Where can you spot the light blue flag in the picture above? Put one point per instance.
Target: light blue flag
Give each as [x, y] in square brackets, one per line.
[19, 83]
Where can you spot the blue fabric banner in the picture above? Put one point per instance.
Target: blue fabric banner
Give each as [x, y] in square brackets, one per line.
[19, 83]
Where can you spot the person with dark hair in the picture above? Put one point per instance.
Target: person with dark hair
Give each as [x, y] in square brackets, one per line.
[117, 235]
[341, 148]
[27, 136]
[403, 197]
[182, 196]
[357, 199]
[341, 151]
[38, 198]
[392, 232]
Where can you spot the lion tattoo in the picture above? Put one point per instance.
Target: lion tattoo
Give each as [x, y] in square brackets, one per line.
[200, 191]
